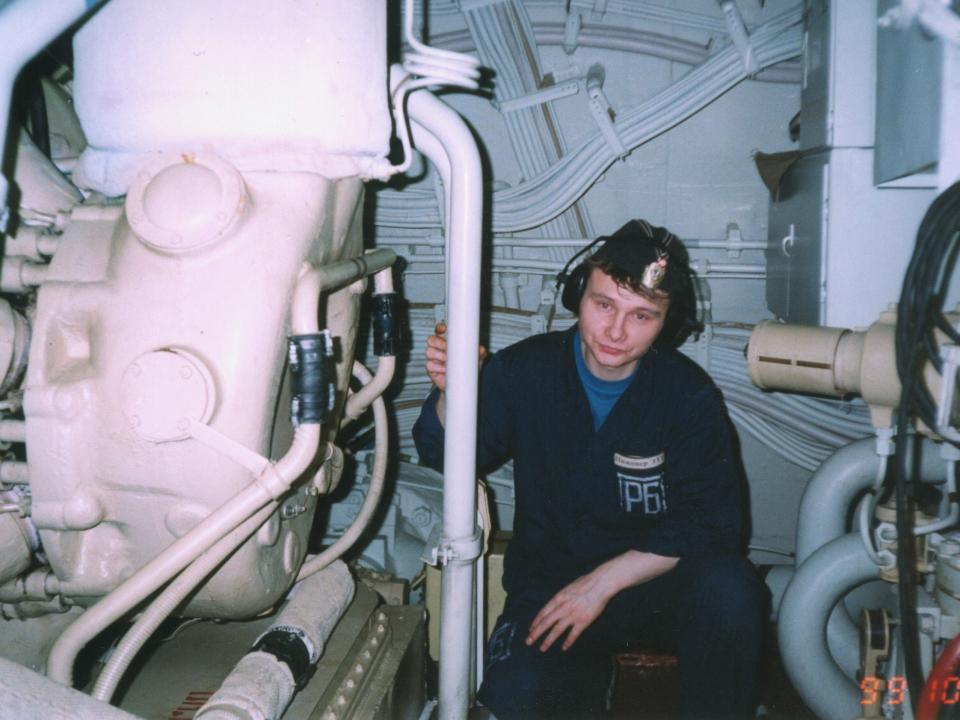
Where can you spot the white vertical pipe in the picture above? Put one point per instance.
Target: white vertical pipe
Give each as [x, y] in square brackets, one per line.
[464, 188]
[26, 27]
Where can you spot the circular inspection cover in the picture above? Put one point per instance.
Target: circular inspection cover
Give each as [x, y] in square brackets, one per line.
[180, 203]
[164, 392]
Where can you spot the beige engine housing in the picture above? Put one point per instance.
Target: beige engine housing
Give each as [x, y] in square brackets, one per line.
[138, 332]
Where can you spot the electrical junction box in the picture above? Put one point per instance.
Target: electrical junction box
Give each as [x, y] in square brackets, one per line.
[909, 87]
[839, 244]
[837, 95]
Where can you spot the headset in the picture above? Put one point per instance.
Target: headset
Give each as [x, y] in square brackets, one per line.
[682, 317]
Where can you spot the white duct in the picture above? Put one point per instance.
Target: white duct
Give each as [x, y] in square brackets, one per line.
[833, 488]
[820, 583]
[824, 510]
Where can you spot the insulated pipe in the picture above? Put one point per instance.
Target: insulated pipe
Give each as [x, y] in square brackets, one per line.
[373, 388]
[168, 601]
[823, 517]
[28, 694]
[459, 546]
[270, 485]
[263, 682]
[26, 27]
[822, 581]
[314, 280]
[359, 401]
[833, 488]
[374, 493]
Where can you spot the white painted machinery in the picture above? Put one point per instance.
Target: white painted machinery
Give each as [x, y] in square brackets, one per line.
[178, 371]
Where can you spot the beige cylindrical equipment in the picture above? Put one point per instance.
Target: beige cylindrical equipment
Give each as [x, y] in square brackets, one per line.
[800, 358]
[832, 361]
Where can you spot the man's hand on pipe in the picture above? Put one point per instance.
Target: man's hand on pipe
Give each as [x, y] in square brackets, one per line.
[437, 356]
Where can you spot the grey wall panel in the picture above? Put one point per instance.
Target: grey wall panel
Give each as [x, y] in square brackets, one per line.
[794, 287]
[909, 72]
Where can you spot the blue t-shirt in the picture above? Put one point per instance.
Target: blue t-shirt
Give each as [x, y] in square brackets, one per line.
[602, 394]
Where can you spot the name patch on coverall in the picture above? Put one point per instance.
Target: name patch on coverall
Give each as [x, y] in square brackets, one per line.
[632, 462]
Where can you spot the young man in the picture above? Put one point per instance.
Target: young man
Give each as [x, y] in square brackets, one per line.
[628, 507]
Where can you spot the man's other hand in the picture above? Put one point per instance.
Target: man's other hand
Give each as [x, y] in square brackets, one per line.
[572, 609]
[581, 602]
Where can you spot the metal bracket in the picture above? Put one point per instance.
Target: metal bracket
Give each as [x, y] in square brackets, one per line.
[739, 35]
[597, 7]
[602, 111]
[551, 92]
[571, 32]
[950, 355]
[734, 240]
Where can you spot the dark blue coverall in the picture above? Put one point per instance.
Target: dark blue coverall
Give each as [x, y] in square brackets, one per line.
[658, 476]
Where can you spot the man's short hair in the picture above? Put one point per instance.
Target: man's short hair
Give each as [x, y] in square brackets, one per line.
[652, 262]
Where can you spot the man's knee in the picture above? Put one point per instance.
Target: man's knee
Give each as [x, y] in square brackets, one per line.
[728, 589]
[521, 682]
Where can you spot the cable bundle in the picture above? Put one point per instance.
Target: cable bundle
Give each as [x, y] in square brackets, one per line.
[919, 315]
[542, 198]
[426, 67]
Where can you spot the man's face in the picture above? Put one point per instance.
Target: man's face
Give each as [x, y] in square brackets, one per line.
[617, 326]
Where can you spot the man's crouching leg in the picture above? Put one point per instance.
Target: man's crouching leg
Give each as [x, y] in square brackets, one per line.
[719, 624]
[522, 682]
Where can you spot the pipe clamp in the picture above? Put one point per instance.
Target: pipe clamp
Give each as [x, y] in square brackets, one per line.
[449, 550]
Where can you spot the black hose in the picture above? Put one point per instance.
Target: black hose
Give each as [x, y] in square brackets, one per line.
[37, 112]
[919, 313]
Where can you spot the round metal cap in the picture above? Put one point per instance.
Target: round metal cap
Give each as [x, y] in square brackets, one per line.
[184, 202]
[164, 391]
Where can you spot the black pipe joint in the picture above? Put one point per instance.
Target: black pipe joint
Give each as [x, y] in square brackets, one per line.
[387, 335]
[287, 647]
[312, 387]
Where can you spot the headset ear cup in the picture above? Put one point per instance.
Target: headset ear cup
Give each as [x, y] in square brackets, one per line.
[573, 289]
